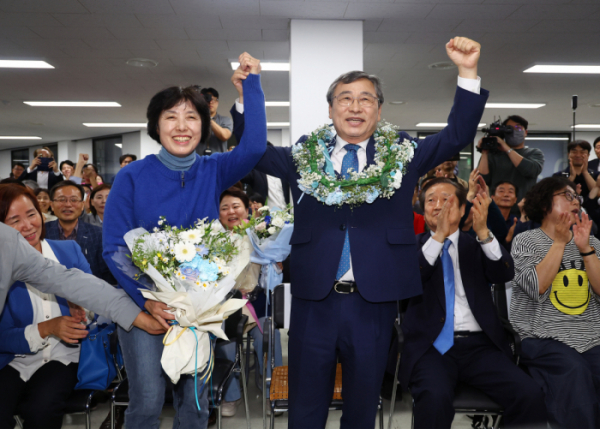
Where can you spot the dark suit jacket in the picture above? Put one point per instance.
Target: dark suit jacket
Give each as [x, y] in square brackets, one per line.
[382, 237]
[256, 179]
[425, 314]
[89, 238]
[593, 164]
[52, 178]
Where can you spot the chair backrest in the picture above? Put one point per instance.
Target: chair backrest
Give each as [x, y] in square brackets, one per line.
[281, 300]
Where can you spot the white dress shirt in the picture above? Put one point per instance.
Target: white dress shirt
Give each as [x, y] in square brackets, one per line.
[42, 177]
[43, 350]
[463, 316]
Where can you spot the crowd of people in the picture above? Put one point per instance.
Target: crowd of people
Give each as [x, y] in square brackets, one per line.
[429, 250]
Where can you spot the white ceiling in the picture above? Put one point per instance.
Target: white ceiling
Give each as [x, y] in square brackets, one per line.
[88, 41]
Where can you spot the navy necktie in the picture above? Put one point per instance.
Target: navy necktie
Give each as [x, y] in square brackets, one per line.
[350, 161]
[446, 338]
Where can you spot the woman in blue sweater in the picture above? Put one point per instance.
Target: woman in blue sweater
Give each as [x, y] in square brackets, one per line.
[182, 186]
[39, 354]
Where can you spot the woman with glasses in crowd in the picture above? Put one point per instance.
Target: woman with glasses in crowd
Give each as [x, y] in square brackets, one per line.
[183, 187]
[43, 197]
[38, 332]
[555, 305]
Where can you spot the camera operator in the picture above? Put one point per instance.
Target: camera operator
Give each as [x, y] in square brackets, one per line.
[510, 160]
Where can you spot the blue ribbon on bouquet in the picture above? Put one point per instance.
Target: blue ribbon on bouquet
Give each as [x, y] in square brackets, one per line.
[207, 373]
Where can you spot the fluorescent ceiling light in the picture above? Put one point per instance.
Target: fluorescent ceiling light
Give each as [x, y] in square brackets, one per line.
[514, 105]
[586, 126]
[72, 103]
[266, 66]
[439, 124]
[17, 64]
[19, 138]
[579, 69]
[277, 103]
[119, 145]
[116, 125]
[547, 138]
[278, 124]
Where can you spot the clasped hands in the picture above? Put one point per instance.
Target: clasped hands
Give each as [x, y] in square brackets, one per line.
[248, 64]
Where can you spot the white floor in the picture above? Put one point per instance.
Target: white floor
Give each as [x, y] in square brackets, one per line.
[401, 418]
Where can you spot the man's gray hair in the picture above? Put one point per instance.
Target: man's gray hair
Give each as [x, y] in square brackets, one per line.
[353, 76]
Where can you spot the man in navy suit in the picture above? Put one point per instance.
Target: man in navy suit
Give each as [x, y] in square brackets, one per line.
[67, 205]
[349, 316]
[468, 344]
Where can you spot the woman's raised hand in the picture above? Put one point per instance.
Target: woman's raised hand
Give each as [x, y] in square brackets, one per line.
[581, 232]
[249, 64]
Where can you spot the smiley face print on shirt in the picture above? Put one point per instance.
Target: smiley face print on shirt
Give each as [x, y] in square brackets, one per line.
[570, 292]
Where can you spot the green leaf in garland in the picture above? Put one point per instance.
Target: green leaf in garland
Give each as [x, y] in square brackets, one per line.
[384, 181]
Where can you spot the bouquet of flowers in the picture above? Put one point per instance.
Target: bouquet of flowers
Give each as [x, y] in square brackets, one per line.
[192, 270]
[270, 230]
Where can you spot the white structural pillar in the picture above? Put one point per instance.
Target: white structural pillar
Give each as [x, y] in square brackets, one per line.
[320, 51]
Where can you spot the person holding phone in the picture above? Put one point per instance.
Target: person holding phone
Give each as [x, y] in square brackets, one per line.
[43, 169]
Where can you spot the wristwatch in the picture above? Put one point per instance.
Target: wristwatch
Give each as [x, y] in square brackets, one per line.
[509, 151]
[489, 238]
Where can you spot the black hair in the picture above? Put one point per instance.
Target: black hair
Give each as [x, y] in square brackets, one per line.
[91, 165]
[70, 163]
[210, 91]
[18, 164]
[538, 200]
[258, 198]
[459, 190]
[236, 193]
[518, 119]
[504, 182]
[66, 183]
[127, 155]
[93, 194]
[579, 143]
[596, 141]
[167, 98]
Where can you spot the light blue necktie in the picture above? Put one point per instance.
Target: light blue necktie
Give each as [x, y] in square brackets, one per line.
[446, 338]
[350, 161]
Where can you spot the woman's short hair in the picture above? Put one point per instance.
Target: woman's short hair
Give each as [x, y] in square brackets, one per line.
[236, 193]
[93, 194]
[167, 98]
[9, 193]
[459, 190]
[538, 200]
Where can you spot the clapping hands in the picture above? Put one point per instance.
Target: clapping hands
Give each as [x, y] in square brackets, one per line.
[581, 232]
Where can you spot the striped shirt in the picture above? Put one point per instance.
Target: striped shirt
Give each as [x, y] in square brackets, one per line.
[569, 311]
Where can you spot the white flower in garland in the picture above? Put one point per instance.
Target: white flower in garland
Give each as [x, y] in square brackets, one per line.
[379, 180]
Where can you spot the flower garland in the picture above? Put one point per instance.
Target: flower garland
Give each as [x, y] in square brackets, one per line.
[379, 180]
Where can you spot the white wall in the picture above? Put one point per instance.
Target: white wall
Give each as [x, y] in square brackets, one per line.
[5, 164]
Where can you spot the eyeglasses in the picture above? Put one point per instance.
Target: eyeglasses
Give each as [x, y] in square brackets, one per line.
[570, 196]
[365, 100]
[67, 200]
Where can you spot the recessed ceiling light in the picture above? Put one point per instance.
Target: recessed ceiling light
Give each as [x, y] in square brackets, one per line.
[19, 138]
[396, 103]
[141, 62]
[278, 124]
[444, 65]
[277, 103]
[439, 124]
[547, 138]
[586, 126]
[72, 103]
[514, 105]
[266, 66]
[116, 124]
[119, 145]
[18, 64]
[578, 69]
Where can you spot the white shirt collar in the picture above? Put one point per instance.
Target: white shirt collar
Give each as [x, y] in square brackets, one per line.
[452, 237]
[340, 143]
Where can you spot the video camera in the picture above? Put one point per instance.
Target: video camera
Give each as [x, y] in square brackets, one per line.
[496, 129]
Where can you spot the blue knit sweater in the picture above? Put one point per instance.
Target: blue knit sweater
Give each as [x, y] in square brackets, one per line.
[146, 189]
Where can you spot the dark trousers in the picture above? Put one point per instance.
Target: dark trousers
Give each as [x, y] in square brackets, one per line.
[476, 361]
[41, 400]
[571, 381]
[345, 327]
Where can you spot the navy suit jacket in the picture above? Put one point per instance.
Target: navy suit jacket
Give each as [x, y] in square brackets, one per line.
[53, 179]
[593, 164]
[89, 238]
[256, 179]
[382, 237]
[18, 311]
[425, 314]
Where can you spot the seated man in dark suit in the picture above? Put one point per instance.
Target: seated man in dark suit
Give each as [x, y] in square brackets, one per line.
[467, 344]
[67, 205]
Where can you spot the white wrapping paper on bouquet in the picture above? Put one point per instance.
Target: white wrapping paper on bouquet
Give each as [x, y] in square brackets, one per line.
[203, 309]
